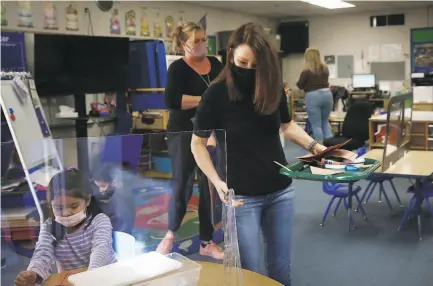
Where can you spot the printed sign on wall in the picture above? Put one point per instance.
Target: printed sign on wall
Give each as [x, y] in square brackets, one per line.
[13, 54]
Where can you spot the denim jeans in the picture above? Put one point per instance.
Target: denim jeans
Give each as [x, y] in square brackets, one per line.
[319, 105]
[269, 217]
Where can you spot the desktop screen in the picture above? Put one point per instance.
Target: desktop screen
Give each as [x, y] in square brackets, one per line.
[363, 80]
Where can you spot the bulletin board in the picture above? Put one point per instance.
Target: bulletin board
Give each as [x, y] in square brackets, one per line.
[421, 50]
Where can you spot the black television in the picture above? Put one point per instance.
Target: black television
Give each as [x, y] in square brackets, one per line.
[294, 37]
[69, 64]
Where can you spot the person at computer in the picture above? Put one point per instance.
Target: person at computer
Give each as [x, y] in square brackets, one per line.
[314, 81]
[77, 234]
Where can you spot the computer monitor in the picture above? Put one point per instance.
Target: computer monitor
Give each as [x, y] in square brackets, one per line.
[363, 80]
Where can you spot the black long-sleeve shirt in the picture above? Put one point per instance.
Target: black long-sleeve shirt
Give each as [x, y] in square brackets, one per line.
[182, 79]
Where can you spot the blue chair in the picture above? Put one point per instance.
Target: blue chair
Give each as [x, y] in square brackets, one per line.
[417, 201]
[373, 182]
[340, 192]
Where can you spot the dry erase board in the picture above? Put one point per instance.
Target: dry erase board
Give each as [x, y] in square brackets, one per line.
[34, 146]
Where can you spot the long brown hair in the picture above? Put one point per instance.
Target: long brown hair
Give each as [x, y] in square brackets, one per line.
[182, 34]
[269, 87]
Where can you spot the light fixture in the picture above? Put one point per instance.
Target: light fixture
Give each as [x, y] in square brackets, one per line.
[329, 4]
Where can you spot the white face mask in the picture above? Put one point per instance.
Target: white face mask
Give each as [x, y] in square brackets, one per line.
[72, 220]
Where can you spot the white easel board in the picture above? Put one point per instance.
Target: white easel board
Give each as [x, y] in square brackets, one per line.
[26, 132]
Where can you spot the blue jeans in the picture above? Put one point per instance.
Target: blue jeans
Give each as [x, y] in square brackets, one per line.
[269, 217]
[319, 105]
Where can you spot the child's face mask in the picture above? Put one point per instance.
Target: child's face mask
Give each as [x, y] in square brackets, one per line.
[69, 211]
[72, 220]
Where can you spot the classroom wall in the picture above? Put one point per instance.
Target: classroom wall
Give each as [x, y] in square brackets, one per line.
[216, 20]
[352, 35]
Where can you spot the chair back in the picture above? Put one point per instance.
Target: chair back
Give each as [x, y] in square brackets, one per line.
[124, 245]
[355, 123]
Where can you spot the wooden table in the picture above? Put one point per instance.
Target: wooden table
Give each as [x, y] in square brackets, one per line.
[416, 165]
[212, 274]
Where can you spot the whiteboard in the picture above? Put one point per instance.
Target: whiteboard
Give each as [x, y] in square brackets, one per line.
[33, 148]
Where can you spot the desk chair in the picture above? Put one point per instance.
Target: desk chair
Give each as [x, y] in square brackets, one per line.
[340, 192]
[373, 182]
[340, 93]
[355, 127]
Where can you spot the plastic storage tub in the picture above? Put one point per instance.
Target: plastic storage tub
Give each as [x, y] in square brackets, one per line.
[162, 164]
[187, 275]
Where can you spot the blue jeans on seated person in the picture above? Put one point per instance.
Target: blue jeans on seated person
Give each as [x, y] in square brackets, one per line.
[271, 217]
[318, 104]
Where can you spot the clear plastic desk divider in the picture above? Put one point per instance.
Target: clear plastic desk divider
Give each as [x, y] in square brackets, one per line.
[232, 263]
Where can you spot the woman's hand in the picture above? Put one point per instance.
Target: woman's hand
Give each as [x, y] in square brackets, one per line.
[222, 189]
[26, 278]
[318, 148]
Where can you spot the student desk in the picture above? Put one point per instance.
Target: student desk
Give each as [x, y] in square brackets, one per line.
[212, 274]
[421, 133]
[415, 165]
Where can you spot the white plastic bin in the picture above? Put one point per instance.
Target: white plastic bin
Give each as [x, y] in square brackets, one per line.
[187, 275]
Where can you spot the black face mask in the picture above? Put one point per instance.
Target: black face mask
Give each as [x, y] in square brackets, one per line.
[244, 79]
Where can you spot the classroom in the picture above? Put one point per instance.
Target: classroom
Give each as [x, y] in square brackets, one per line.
[119, 167]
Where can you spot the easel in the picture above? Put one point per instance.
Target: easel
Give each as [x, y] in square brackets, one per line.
[29, 130]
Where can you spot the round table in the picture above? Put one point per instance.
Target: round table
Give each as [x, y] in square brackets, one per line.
[212, 274]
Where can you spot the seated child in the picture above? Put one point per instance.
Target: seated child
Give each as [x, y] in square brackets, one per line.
[114, 196]
[76, 234]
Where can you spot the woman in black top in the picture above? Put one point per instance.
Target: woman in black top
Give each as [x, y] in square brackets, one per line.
[248, 102]
[187, 79]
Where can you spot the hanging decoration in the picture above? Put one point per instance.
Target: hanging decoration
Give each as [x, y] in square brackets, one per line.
[72, 17]
[3, 19]
[130, 23]
[144, 23]
[25, 14]
[115, 22]
[50, 16]
[157, 28]
[169, 26]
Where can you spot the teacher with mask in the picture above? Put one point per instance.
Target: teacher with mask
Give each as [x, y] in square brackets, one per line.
[187, 79]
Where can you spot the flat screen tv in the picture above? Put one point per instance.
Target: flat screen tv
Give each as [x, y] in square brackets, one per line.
[294, 37]
[66, 64]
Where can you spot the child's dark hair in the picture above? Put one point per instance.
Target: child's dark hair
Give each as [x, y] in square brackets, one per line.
[75, 184]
